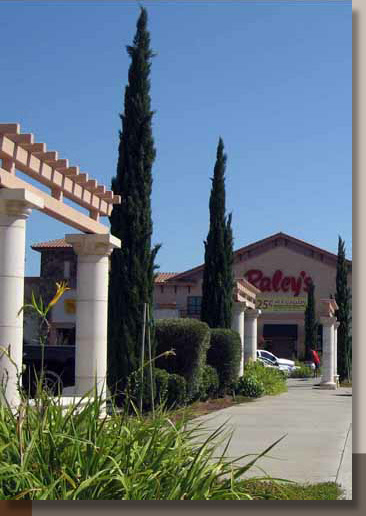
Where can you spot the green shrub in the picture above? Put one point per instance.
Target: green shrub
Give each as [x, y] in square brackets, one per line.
[51, 452]
[161, 385]
[224, 355]
[274, 380]
[134, 386]
[209, 383]
[190, 340]
[303, 372]
[177, 390]
[250, 387]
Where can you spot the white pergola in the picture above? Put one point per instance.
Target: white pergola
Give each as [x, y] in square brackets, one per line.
[17, 199]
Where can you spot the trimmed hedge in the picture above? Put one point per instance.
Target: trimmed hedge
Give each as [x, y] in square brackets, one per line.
[190, 340]
[224, 355]
[177, 390]
[168, 388]
[210, 383]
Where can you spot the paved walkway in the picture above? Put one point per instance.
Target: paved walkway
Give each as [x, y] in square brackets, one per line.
[318, 444]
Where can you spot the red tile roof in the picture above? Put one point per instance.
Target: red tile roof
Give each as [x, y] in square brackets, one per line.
[59, 243]
[163, 276]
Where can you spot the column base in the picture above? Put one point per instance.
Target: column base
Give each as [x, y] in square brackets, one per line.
[328, 385]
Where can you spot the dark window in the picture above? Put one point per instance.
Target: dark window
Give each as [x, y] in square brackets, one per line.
[194, 305]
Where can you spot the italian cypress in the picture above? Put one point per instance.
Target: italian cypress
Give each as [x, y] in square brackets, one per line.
[218, 279]
[343, 314]
[131, 278]
[311, 324]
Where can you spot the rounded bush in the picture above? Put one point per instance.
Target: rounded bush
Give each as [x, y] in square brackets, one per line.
[161, 385]
[177, 390]
[190, 340]
[250, 387]
[224, 355]
[210, 383]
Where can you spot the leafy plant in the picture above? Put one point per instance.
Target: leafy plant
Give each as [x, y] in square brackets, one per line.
[190, 340]
[210, 383]
[224, 355]
[250, 387]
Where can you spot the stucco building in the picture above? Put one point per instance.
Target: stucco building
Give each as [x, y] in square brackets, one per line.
[281, 267]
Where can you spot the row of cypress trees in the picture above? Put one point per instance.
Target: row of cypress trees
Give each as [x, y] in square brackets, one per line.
[132, 271]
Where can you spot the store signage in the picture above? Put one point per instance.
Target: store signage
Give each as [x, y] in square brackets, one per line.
[279, 282]
[281, 304]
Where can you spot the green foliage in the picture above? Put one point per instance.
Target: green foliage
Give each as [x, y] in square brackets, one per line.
[250, 387]
[177, 391]
[224, 355]
[218, 279]
[169, 389]
[274, 490]
[303, 371]
[273, 380]
[343, 314]
[190, 340]
[131, 279]
[209, 387]
[311, 324]
[161, 385]
[134, 386]
[51, 452]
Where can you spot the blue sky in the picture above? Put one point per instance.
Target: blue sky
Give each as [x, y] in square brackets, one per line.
[273, 79]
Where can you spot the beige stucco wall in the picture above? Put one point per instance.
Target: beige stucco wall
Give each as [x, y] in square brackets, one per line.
[291, 263]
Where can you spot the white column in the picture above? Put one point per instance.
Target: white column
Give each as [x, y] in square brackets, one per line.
[327, 381]
[237, 324]
[336, 326]
[250, 335]
[15, 207]
[91, 309]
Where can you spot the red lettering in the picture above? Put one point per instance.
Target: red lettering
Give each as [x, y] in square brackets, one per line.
[285, 284]
[265, 284]
[253, 276]
[279, 281]
[296, 285]
[276, 280]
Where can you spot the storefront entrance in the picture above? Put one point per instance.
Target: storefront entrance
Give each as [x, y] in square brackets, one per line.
[281, 339]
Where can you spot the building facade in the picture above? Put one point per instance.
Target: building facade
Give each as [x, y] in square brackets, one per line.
[281, 268]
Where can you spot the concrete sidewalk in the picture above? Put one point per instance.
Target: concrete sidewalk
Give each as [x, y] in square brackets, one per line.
[318, 444]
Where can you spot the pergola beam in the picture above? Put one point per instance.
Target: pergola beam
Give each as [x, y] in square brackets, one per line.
[19, 151]
[54, 207]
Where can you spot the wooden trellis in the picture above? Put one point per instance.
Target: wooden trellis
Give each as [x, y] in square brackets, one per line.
[20, 152]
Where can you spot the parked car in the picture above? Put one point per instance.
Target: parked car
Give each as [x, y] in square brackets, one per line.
[282, 363]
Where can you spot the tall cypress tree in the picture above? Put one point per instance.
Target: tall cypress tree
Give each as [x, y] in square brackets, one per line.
[311, 324]
[343, 314]
[218, 279]
[131, 278]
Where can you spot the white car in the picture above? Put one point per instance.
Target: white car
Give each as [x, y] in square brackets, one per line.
[282, 363]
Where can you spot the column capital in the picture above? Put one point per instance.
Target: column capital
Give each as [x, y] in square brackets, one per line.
[93, 244]
[238, 306]
[18, 202]
[252, 313]
[328, 321]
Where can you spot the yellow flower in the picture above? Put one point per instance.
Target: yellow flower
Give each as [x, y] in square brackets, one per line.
[61, 289]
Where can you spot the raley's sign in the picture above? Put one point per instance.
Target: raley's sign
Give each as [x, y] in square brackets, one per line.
[278, 282]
